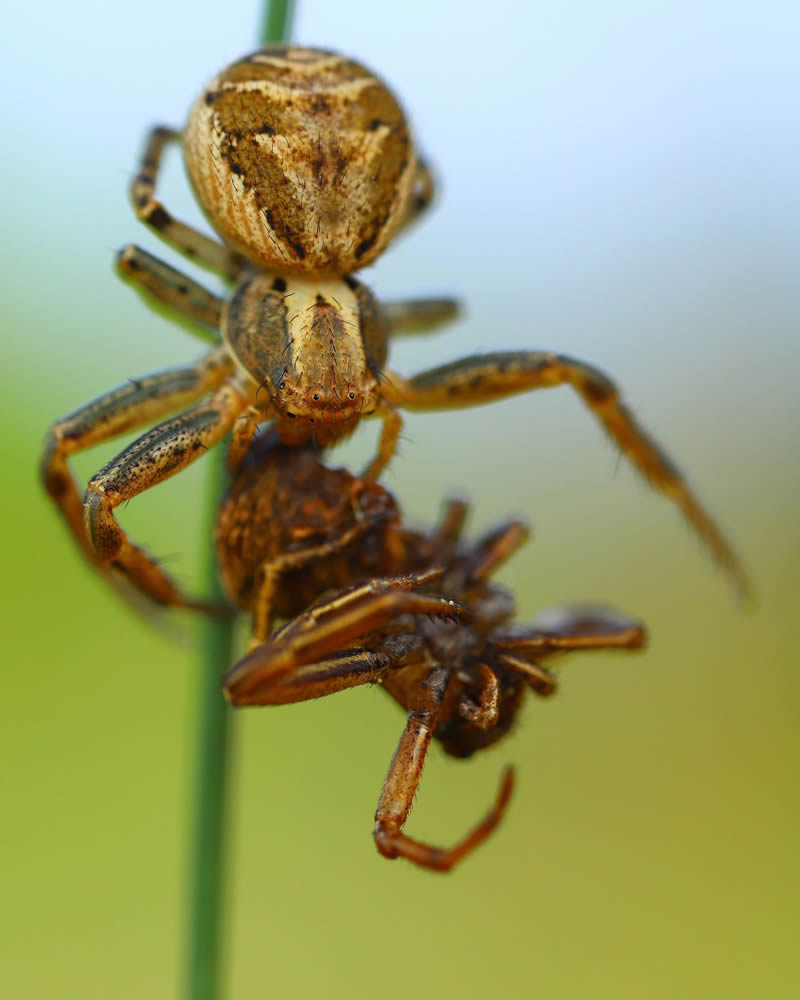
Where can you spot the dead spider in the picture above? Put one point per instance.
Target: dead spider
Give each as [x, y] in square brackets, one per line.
[292, 529]
[303, 162]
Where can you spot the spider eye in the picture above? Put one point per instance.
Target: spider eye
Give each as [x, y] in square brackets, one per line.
[316, 396]
[282, 385]
[352, 395]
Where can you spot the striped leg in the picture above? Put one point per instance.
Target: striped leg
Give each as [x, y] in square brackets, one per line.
[329, 626]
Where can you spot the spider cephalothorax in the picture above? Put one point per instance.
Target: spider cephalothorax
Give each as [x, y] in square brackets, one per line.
[313, 349]
[415, 612]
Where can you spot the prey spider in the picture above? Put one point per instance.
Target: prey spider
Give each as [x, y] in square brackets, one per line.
[304, 164]
[411, 611]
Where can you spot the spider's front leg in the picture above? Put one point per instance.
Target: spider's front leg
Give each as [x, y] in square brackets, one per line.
[154, 457]
[403, 780]
[484, 378]
[131, 405]
[205, 251]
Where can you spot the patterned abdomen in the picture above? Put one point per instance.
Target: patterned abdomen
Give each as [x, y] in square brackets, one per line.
[301, 159]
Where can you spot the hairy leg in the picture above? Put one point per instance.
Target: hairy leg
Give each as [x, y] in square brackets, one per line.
[131, 405]
[154, 457]
[484, 378]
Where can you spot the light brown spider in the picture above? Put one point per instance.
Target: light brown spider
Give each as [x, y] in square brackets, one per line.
[411, 611]
[302, 159]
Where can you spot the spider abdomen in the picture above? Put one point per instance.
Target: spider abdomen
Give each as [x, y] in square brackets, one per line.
[301, 159]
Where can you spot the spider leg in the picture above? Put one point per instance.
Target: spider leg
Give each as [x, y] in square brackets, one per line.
[154, 457]
[203, 250]
[337, 672]
[422, 195]
[495, 548]
[392, 425]
[411, 316]
[403, 780]
[564, 630]
[455, 511]
[275, 568]
[165, 286]
[331, 625]
[483, 378]
[573, 628]
[244, 430]
[125, 408]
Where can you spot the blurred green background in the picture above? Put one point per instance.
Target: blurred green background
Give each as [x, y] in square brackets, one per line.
[620, 184]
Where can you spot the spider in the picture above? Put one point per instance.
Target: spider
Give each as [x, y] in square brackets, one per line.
[303, 162]
[292, 529]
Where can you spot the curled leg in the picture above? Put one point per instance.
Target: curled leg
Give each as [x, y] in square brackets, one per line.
[337, 672]
[154, 457]
[138, 402]
[337, 623]
[206, 252]
[166, 286]
[403, 780]
[483, 378]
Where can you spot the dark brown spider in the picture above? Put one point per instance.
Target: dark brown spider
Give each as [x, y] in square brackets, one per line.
[414, 612]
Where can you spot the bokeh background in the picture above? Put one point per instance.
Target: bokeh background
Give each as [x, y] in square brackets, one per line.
[620, 182]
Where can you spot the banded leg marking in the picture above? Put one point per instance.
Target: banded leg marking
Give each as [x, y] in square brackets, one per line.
[157, 281]
[125, 408]
[205, 251]
[154, 457]
[484, 378]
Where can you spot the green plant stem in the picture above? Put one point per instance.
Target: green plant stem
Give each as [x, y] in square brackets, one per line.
[211, 759]
[277, 25]
[211, 756]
